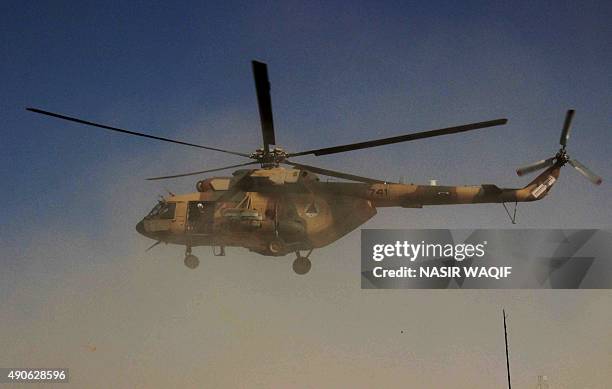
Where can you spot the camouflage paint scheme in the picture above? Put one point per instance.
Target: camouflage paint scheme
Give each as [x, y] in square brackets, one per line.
[276, 211]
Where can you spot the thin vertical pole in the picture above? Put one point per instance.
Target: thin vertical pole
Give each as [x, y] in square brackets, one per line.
[507, 358]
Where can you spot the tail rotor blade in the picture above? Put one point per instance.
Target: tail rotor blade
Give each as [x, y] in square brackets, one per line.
[565, 133]
[535, 166]
[594, 178]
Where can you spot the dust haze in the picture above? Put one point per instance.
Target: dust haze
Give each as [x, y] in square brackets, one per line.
[117, 316]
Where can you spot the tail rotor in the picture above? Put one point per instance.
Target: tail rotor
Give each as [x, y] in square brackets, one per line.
[562, 158]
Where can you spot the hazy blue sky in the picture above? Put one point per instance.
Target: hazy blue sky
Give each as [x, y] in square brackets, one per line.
[74, 271]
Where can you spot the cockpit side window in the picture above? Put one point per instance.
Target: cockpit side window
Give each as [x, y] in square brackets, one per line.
[167, 211]
[162, 211]
[155, 211]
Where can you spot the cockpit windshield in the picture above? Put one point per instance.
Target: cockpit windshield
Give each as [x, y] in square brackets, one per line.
[162, 210]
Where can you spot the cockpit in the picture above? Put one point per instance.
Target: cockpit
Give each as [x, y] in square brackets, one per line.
[163, 210]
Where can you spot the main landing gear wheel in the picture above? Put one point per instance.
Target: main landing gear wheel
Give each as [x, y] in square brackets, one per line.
[191, 261]
[302, 265]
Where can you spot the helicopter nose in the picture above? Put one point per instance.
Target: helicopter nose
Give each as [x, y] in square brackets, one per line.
[140, 228]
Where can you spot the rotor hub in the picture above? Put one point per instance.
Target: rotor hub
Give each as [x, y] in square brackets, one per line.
[269, 158]
[562, 157]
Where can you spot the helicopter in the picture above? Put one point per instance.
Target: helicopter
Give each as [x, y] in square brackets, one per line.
[282, 206]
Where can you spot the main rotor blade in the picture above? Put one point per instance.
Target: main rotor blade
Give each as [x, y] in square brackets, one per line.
[535, 166]
[64, 117]
[262, 87]
[565, 133]
[333, 173]
[594, 178]
[202, 171]
[402, 138]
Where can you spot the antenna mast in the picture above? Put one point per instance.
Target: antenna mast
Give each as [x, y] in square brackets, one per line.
[507, 358]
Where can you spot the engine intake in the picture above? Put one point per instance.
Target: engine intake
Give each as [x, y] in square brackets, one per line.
[213, 184]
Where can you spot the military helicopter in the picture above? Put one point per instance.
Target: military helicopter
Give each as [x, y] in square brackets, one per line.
[275, 210]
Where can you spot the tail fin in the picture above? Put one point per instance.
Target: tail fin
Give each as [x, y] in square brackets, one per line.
[541, 185]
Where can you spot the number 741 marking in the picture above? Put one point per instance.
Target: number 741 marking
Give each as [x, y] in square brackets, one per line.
[379, 192]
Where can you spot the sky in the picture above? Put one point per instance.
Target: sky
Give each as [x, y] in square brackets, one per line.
[75, 275]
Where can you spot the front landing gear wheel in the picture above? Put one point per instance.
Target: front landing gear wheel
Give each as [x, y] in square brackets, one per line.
[301, 265]
[275, 247]
[191, 261]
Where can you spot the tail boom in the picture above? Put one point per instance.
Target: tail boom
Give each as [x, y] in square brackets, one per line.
[417, 196]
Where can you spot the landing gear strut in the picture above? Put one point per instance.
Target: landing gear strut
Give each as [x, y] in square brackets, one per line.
[191, 261]
[301, 264]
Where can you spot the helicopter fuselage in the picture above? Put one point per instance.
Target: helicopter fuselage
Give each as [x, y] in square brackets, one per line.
[277, 211]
